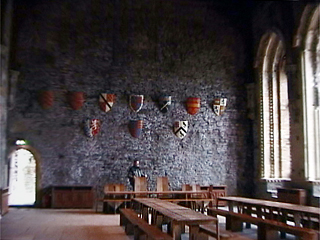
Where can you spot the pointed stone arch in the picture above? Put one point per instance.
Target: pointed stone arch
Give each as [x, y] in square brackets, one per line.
[309, 22]
[307, 42]
[273, 97]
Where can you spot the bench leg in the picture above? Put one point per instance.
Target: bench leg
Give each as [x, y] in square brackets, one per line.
[234, 224]
[129, 229]
[203, 236]
[136, 233]
[123, 220]
[266, 233]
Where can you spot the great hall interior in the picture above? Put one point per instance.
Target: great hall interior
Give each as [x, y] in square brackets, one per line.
[219, 98]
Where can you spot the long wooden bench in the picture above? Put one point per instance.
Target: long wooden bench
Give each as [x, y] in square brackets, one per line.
[273, 214]
[210, 230]
[267, 229]
[138, 227]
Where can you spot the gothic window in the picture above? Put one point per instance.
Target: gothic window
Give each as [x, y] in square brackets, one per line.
[275, 157]
[308, 39]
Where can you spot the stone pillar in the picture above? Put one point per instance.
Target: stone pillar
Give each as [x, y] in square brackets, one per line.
[5, 50]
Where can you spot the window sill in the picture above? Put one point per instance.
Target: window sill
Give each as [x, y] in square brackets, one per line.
[275, 180]
[314, 182]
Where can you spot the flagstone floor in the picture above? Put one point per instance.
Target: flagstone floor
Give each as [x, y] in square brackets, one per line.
[73, 224]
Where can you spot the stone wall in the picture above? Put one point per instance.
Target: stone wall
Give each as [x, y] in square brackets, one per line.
[179, 48]
[5, 88]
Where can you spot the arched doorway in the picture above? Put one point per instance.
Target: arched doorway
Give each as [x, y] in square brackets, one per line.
[22, 178]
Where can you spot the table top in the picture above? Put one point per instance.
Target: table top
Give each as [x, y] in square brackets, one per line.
[155, 192]
[176, 212]
[267, 203]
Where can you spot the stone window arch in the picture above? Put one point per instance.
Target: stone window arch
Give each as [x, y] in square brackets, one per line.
[307, 40]
[274, 126]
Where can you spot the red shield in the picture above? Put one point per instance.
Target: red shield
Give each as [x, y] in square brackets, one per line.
[106, 101]
[76, 99]
[193, 105]
[46, 99]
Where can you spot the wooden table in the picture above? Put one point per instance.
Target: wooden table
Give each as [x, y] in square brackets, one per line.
[177, 216]
[305, 215]
[200, 198]
[166, 194]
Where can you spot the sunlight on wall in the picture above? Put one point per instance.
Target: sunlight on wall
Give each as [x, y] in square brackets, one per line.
[22, 183]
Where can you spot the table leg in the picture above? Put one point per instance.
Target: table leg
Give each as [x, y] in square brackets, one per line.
[159, 221]
[248, 210]
[145, 214]
[297, 220]
[193, 232]
[230, 206]
[175, 230]
[202, 206]
[284, 220]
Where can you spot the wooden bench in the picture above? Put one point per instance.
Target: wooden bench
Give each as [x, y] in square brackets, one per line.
[273, 214]
[267, 229]
[138, 227]
[210, 230]
[112, 202]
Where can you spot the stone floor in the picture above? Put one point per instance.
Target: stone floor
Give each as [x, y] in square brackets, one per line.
[71, 224]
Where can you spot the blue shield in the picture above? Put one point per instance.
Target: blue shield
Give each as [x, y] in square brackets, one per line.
[135, 128]
[136, 102]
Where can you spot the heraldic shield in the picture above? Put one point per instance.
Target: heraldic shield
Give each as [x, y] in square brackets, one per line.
[92, 127]
[76, 99]
[219, 105]
[180, 129]
[164, 103]
[46, 99]
[193, 105]
[106, 101]
[135, 128]
[136, 102]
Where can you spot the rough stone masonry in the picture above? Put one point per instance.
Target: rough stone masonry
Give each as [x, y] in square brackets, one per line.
[127, 47]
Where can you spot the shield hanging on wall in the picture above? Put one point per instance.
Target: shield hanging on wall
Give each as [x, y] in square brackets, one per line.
[180, 129]
[136, 102]
[135, 128]
[219, 105]
[193, 105]
[106, 101]
[46, 99]
[164, 103]
[76, 100]
[92, 127]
